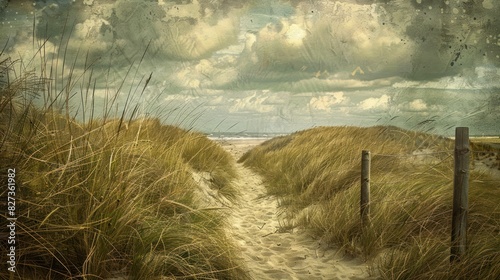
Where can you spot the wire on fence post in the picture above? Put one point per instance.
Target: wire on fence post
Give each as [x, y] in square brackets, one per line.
[365, 187]
[460, 194]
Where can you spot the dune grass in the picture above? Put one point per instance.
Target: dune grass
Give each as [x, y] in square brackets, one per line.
[112, 196]
[316, 176]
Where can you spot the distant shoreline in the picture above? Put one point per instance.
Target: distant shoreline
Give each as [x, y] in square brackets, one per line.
[270, 135]
[267, 136]
[250, 136]
[235, 138]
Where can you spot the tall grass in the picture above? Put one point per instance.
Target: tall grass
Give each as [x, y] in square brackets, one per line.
[316, 175]
[110, 196]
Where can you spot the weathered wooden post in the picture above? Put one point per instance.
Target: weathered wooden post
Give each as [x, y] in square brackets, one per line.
[460, 194]
[365, 187]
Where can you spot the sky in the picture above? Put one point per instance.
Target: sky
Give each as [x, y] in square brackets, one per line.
[231, 66]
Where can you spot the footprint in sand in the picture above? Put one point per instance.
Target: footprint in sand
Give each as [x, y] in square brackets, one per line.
[269, 253]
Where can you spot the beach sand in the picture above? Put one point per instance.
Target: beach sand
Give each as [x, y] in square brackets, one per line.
[273, 254]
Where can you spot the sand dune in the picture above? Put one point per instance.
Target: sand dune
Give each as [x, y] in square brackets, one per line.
[270, 253]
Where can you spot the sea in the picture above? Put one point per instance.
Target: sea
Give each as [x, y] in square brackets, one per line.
[243, 135]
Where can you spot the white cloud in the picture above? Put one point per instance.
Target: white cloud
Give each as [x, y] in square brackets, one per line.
[225, 77]
[187, 78]
[94, 34]
[294, 35]
[326, 102]
[215, 72]
[179, 98]
[252, 103]
[372, 103]
[250, 40]
[418, 105]
[217, 101]
[207, 38]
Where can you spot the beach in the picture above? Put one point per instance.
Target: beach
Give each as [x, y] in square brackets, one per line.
[268, 250]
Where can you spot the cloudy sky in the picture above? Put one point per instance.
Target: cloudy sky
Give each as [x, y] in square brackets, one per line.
[275, 65]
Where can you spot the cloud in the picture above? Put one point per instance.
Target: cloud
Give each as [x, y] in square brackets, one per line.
[421, 107]
[373, 103]
[417, 105]
[253, 103]
[189, 31]
[419, 40]
[217, 101]
[287, 54]
[179, 98]
[178, 31]
[481, 77]
[326, 102]
[213, 73]
[294, 35]
[185, 78]
[95, 33]
[345, 36]
[451, 36]
[332, 83]
[296, 58]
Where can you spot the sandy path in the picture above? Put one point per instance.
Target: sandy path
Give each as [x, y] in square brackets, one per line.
[270, 254]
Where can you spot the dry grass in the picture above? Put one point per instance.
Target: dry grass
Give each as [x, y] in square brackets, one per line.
[316, 175]
[109, 196]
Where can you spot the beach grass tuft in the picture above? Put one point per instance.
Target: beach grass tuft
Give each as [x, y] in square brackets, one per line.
[316, 174]
[112, 196]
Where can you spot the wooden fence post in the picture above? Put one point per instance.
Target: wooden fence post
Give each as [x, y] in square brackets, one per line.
[365, 187]
[460, 194]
